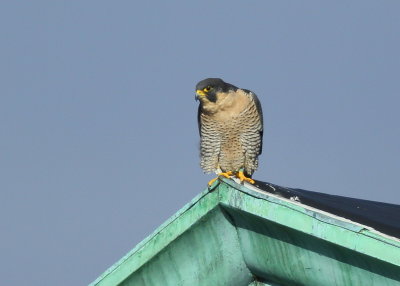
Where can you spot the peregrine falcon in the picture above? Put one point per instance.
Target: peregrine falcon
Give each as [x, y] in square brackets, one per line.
[230, 123]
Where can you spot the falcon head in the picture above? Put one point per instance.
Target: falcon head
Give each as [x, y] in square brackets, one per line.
[208, 89]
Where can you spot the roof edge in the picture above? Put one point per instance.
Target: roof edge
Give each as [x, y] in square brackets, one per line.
[247, 198]
[116, 268]
[353, 235]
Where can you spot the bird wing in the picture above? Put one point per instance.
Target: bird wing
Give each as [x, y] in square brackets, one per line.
[260, 114]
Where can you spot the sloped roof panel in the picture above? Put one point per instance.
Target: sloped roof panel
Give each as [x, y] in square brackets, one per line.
[242, 235]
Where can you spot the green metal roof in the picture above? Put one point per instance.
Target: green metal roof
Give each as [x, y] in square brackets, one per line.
[240, 235]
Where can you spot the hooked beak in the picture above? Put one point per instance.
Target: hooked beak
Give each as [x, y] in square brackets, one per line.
[199, 93]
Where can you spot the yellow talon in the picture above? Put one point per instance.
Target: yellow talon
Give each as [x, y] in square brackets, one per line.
[226, 175]
[242, 177]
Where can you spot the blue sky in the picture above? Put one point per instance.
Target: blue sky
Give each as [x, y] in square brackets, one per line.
[99, 139]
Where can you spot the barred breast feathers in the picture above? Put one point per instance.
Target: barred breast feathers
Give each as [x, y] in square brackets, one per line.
[209, 144]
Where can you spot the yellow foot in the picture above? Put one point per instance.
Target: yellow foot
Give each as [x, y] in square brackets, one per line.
[242, 177]
[226, 175]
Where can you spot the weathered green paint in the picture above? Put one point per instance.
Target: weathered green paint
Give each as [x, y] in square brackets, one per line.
[159, 239]
[193, 258]
[258, 283]
[313, 222]
[240, 236]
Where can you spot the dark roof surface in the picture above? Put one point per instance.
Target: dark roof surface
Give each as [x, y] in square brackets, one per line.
[383, 217]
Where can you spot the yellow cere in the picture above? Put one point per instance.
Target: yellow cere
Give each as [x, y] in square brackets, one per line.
[200, 92]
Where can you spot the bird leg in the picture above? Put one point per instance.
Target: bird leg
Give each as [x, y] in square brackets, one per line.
[226, 175]
[242, 177]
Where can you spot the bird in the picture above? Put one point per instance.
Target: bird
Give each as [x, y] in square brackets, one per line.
[230, 122]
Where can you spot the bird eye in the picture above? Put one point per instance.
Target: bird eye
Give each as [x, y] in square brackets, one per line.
[207, 89]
